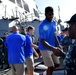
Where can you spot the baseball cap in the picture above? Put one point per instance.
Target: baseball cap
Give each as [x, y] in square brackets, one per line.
[72, 19]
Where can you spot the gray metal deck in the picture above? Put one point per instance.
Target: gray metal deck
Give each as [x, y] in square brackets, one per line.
[37, 72]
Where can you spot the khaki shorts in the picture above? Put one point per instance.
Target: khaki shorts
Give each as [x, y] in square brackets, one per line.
[49, 58]
[30, 63]
[18, 69]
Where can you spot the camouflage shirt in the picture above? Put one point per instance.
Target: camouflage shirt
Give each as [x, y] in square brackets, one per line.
[1, 48]
[1, 43]
[66, 41]
[70, 59]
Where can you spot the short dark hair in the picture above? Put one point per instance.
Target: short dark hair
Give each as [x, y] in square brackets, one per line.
[48, 9]
[30, 28]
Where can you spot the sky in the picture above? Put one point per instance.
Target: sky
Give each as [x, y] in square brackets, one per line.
[67, 7]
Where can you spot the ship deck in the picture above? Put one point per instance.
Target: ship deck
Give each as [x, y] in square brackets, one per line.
[38, 61]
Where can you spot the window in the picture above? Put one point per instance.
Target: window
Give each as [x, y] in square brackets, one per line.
[36, 13]
[19, 3]
[26, 7]
[12, 1]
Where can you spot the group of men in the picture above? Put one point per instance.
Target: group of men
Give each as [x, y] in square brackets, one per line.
[21, 48]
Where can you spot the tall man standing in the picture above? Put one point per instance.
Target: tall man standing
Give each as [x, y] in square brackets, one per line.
[47, 40]
[16, 57]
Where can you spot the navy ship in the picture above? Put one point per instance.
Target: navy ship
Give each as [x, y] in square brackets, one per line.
[18, 11]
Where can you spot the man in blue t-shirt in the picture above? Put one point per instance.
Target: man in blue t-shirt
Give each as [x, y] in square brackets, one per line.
[47, 40]
[16, 57]
[29, 50]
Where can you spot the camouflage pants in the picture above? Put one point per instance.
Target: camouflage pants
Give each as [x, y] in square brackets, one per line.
[70, 69]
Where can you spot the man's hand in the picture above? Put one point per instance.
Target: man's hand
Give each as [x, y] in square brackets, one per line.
[60, 47]
[1, 45]
[36, 54]
[58, 52]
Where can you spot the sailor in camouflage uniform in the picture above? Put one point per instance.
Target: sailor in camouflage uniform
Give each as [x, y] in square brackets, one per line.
[5, 51]
[70, 59]
[1, 51]
[66, 41]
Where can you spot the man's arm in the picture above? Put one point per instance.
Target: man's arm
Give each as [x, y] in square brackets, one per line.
[36, 54]
[36, 47]
[57, 51]
[52, 48]
[57, 41]
[47, 45]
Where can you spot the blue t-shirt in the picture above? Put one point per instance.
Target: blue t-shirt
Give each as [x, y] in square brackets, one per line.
[47, 31]
[28, 48]
[15, 43]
